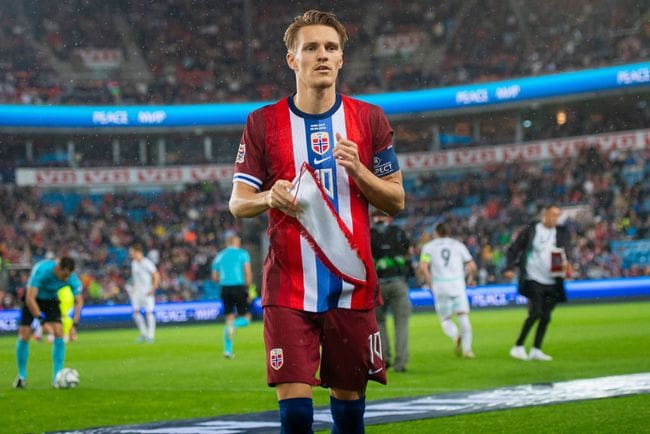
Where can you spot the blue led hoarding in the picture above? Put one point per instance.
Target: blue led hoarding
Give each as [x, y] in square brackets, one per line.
[418, 101]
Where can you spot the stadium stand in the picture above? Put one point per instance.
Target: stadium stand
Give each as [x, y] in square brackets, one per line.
[84, 52]
[608, 197]
[177, 51]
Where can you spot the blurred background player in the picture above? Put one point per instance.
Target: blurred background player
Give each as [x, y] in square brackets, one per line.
[42, 302]
[445, 264]
[539, 251]
[391, 252]
[315, 321]
[5, 265]
[146, 279]
[232, 269]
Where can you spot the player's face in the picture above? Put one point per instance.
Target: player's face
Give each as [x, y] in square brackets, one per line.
[135, 254]
[317, 58]
[381, 219]
[551, 217]
[62, 273]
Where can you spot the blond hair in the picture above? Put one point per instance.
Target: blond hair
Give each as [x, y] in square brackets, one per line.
[311, 18]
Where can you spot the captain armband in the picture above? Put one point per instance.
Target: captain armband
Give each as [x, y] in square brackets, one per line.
[385, 162]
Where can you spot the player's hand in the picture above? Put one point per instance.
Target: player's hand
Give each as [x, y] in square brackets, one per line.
[568, 270]
[73, 333]
[346, 153]
[279, 197]
[508, 274]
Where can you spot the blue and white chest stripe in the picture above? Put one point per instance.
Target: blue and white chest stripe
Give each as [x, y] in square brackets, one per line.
[313, 142]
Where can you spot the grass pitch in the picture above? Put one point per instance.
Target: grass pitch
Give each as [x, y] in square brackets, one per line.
[184, 375]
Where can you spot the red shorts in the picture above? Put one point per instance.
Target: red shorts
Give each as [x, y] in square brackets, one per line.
[350, 341]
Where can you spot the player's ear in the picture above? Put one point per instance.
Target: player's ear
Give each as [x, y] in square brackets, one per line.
[340, 62]
[291, 61]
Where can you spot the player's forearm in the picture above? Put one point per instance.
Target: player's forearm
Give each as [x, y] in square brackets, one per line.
[248, 205]
[387, 193]
[78, 305]
[33, 307]
[156, 281]
[30, 302]
[471, 270]
[248, 275]
[426, 275]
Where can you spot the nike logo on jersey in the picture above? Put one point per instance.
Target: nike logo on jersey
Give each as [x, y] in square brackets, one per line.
[374, 371]
[321, 160]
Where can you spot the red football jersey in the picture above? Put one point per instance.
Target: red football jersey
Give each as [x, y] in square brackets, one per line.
[276, 141]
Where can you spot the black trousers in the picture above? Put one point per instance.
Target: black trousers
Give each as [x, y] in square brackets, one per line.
[541, 302]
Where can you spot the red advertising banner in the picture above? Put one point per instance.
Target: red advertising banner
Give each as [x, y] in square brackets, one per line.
[123, 176]
[531, 151]
[452, 159]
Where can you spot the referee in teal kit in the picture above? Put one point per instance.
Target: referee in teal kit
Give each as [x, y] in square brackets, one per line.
[42, 302]
[232, 269]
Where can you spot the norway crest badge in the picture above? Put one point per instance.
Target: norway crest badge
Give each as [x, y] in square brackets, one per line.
[320, 142]
[277, 358]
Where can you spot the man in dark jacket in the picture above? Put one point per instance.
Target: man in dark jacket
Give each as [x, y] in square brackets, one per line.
[539, 253]
[391, 249]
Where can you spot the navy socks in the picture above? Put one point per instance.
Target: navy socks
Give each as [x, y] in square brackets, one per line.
[296, 415]
[348, 416]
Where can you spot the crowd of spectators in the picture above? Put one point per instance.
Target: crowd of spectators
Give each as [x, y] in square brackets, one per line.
[606, 197]
[199, 51]
[70, 25]
[181, 232]
[521, 38]
[24, 73]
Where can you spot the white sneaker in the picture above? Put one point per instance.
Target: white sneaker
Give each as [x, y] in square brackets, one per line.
[536, 354]
[518, 352]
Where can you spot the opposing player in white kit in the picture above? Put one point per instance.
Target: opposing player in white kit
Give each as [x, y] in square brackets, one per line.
[146, 279]
[445, 262]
